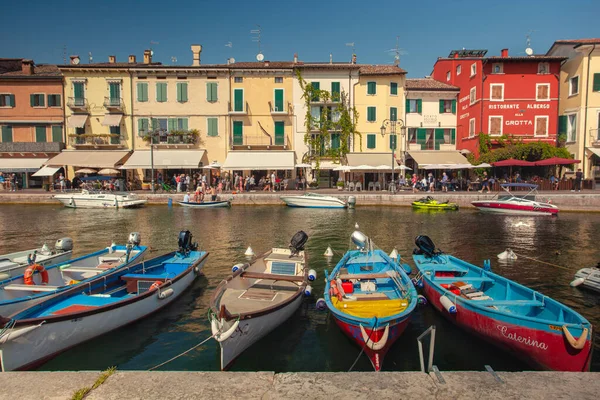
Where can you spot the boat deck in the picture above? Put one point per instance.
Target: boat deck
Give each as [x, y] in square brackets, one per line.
[258, 297]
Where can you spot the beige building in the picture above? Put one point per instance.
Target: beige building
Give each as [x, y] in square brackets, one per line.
[579, 106]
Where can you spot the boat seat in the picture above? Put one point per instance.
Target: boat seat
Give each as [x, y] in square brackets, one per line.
[370, 296]
[453, 279]
[31, 288]
[473, 294]
[273, 277]
[364, 276]
[491, 302]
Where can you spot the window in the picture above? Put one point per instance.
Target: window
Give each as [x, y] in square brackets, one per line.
[316, 87]
[447, 106]
[450, 136]
[335, 141]
[496, 92]
[161, 92]
[40, 134]
[211, 92]
[238, 79]
[496, 125]
[371, 114]
[448, 76]
[142, 92]
[279, 79]
[573, 86]
[115, 130]
[143, 126]
[473, 69]
[54, 100]
[238, 133]
[394, 88]
[114, 92]
[78, 94]
[472, 127]
[595, 85]
[571, 127]
[371, 88]
[412, 135]
[371, 141]
[213, 126]
[7, 100]
[541, 126]
[279, 133]
[458, 69]
[80, 131]
[7, 135]
[182, 92]
[393, 114]
[315, 114]
[238, 100]
[278, 100]
[57, 135]
[37, 100]
[335, 91]
[497, 68]
[543, 68]
[542, 91]
[414, 105]
[472, 96]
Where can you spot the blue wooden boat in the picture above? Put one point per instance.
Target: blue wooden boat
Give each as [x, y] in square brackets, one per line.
[370, 297]
[103, 304]
[536, 328]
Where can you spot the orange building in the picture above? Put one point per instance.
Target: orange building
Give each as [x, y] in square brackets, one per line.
[31, 118]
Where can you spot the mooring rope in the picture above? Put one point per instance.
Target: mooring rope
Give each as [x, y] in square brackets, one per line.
[542, 262]
[185, 352]
[365, 345]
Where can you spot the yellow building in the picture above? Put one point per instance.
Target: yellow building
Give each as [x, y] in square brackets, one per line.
[579, 106]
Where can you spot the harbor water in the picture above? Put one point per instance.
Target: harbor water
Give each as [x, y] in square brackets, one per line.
[310, 340]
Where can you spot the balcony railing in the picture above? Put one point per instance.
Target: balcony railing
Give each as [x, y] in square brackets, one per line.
[594, 137]
[96, 140]
[32, 147]
[113, 103]
[243, 111]
[77, 103]
[285, 109]
[260, 142]
[165, 138]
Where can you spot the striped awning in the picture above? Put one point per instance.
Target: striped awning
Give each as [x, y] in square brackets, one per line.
[21, 164]
[77, 120]
[112, 119]
[89, 159]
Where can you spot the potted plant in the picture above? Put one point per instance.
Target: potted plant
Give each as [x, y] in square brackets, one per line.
[340, 185]
[313, 184]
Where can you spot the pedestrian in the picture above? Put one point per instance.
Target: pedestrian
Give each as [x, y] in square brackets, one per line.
[61, 181]
[577, 181]
[414, 180]
[14, 182]
[444, 182]
[159, 179]
[485, 183]
[431, 182]
[213, 194]
[273, 181]
[187, 182]
[178, 182]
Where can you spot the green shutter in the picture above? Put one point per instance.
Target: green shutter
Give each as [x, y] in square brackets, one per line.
[407, 105]
[335, 141]
[562, 124]
[172, 124]
[279, 100]
[453, 135]
[40, 134]
[155, 125]
[11, 100]
[279, 133]
[142, 126]
[442, 108]
[182, 92]
[161, 92]
[371, 88]
[238, 103]
[32, 100]
[393, 88]
[419, 106]
[454, 106]
[335, 91]
[371, 141]
[393, 142]
[371, 114]
[57, 133]
[422, 137]
[142, 92]
[213, 127]
[213, 92]
[182, 124]
[596, 85]
[438, 138]
[78, 90]
[7, 136]
[316, 87]
[393, 114]
[238, 133]
[115, 90]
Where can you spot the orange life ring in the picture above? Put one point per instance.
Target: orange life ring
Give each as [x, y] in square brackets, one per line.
[28, 277]
[155, 285]
[335, 291]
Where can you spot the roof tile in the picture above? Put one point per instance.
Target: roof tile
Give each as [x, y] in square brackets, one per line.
[381, 70]
[428, 84]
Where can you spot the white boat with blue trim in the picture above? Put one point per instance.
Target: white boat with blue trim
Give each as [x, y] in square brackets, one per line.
[206, 204]
[314, 200]
[15, 264]
[90, 199]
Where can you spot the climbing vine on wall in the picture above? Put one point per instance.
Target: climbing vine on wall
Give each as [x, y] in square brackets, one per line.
[510, 147]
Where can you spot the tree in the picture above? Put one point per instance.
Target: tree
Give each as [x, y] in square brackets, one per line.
[515, 148]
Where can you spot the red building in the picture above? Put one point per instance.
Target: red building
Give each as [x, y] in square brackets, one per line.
[502, 95]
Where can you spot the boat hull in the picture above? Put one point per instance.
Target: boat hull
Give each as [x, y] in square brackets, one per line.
[500, 207]
[435, 207]
[42, 260]
[99, 201]
[534, 344]
[313, 202]
[591, 278]
[206, 204]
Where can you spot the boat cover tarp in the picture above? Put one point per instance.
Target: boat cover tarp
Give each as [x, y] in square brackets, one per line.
[370, 308]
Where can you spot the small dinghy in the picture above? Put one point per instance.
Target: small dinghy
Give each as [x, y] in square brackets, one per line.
[38, 282]
[588, 278]
[15, 264]
[429, 203]
[534, 327]
[258, 297]
[103, 304]
[205, 204]
[370, 297]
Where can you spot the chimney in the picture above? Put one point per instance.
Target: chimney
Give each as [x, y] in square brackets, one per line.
[295, 58]
[504, 53]
[27, 67]
[353, 58]
[266, 63]
[112, 59]
[74, 60]
[330, 58]
[196, 50]
[455, 55]
[147, 56]
[131, 59]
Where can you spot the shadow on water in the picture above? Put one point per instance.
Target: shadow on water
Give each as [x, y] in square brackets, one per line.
[310, 340]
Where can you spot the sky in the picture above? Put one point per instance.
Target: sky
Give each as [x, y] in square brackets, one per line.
[42, 30]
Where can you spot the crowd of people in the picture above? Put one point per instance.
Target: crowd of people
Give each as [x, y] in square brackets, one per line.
[9, 182]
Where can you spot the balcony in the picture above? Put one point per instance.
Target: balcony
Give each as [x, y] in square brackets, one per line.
[262, 142]
[96, 141]
[32, 147]
[113, 104]
[233, 111]
[179, 140]
[594, 137]
[77, 104]
[286, 109]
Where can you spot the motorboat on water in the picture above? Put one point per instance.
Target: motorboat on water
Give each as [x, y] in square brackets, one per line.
[370, 297]
[258, 297]
[509, 202]
[588, 278]
[206, 204]
[91, 199]
[103, 304]
[534, 327]
[314, 200]
[429, 203]
[15, 264]
[38, 282]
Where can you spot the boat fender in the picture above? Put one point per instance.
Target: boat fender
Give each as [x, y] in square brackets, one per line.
[28, 276]
[328, 252]
[4, 277]
[448, 304]
[226, 335]
[577, 282]
[14, 334]
[308, 290]
[155, 285]
[422, 300]
[576, 344]
[166, 293]
[312, 275]
[321, 305]
[508, 254]
[236, 268]
[372, 345]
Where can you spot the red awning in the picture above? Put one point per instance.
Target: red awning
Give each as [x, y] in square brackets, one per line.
[511, 162]
[557, 161]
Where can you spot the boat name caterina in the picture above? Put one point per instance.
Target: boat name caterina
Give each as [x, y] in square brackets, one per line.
[520, 339]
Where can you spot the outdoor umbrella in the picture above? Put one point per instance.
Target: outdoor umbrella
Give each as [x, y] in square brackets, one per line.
[214, 165]
[404, 168]
[85, 171]
[511, 162]
[107, 171]
[482, 165]
[557, 161]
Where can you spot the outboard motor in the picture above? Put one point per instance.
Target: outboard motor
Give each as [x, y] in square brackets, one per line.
[298, 241]
[135, 238]
[360, 239]
[425, 246]
[351, 201]
[185, 242]
[64, 244]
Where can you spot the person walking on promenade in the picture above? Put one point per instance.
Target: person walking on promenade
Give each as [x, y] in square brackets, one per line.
[414, 180]
[273, 181]
[14, 182]
[485, 183]
[576, 182]
[431, 182]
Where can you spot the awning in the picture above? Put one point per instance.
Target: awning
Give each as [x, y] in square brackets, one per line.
[166, 159]
[594, 150]
[112, 119]
[46, 171]
[424, 158]
[356, 159]
[90, 159]
[248, 160]
[77, 121]
[323, 165]
[21, 164]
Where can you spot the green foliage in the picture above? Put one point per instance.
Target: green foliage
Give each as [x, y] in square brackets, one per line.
[523, 151]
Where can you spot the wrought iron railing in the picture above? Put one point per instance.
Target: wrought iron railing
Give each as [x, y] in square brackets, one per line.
[96, 140]
[111, 102]
[77, 102]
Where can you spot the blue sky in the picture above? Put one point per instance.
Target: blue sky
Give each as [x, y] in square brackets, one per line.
[313, 29]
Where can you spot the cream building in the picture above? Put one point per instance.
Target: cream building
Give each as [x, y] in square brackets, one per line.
[579, 106]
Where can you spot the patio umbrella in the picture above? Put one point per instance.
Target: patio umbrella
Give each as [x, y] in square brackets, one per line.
[344, 168]
[557, 161]
[85, 171]
[107, 171]
[482, 165]
[511, 162]
[214, 165]
[404, 168]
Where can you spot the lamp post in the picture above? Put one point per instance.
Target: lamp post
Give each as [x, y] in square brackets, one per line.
[393, 125]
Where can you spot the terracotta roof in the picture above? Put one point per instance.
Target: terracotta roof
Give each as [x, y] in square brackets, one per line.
[428, 84]
[109, 65]
[380, 70]
[38, 71]
[258, 65]
[578, 41]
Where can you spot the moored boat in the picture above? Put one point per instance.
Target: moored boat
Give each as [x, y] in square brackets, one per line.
[370, 297]
[88, 199]
[534, 327]
[258, 297]
[38, 282]
[314, 200]
[206, 204]
[588, 278]
[103, 304]
[513, 203]
[429, 203]
[15, 264]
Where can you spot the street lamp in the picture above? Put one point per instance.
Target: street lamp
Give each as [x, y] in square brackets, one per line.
[393, 124]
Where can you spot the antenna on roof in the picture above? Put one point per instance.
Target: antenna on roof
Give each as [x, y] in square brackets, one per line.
[90, 58]
[351, 44]
[229, 44]
[397, 52]
[256, 39]
[152, 43]
[174, 60]
[64, 54]
[528, 49]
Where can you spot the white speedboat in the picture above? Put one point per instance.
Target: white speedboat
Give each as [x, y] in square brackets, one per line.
[88, 199]
[314, 200]
[588, 278]
[258, 297]
[14, 264]
[513, 203]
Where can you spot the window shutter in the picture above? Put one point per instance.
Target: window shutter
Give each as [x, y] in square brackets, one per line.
[213, 127]
[172, 124]
[454, 106]
[442, 108]
[393, 114]
[161, 92]
[407, 105]
[335, 91]
[279, 133]
[371, 114]
[40, 134]
[238, 137]
[7, 134]
[182, 92]
[11, 100]
[541, 126]
[562, 124]
[371, 141]
[238, 100]
[32, 100]
[419, 105]
[214, 93]
[142, 126]
[453, 135]
[371, 88]
[211, 92]
[393, 88]
[78, 90]
[438, 138]
[183, 123]
[422, 137]
[114, 91]
[57, 133]
[279, 100]
[335, 141]
[393, 142]
[316, 86]
[596, 84]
